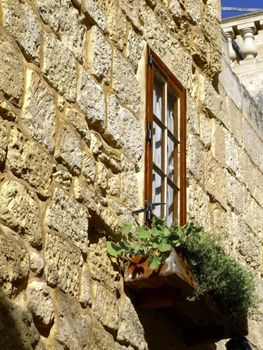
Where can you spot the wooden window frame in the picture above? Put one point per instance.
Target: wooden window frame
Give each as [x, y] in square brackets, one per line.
[155, 63]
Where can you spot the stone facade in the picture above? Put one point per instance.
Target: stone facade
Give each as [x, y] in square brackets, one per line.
[72, 128]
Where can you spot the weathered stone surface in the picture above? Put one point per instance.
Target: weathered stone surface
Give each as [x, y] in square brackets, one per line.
[3, 141]
[102, 340]
[129, 190]
[86, 195]
[205, 130]
[134, 47]
[63, 264]
[22, 23]
[11, 72]
[104, 306]
[69, 218]
[116, 24]
[36, 262]
[29, 161]
[218, 142]
[62, 177]
[195, 157]
[68, 150]
[14, 264]
[102, 176]
[62, 17]
[6, 110]
[39, 303]
[209, 97]
[17, 330]
[124, 129]
[93, 9]
[131, 10]
[79, 122]
[130, 330]
[125, 83]
[232, 154]
[85, 297]
[19, 211]
[114, 186]
[59, 67]
[73, 325]
[91, 100]
[39, 110]
[89, 166]
[98, 55]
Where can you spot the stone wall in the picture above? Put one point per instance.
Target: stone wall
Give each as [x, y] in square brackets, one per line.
[72, 107]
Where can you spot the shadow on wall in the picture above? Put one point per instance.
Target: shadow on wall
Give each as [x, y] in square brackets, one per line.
[161, 333]
[17, 330]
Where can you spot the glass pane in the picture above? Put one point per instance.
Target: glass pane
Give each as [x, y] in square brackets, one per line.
[170, 157]
[157, 97]
[157, 145]
[171, 204]
[157, 193]
[172, 108]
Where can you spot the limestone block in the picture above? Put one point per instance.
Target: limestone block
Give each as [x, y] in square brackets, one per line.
[3, 141]
[194, 10]
[134, 48]
[91, 100]
[17, 327]
[22, 23]
[110, 220]
[102, 176]
[69, 218]
[214, 8]
[98, 55]
[73, 325]
[62, 16]
[205, 130]
[114, 186]
[19, 211]
[6, 110]
[29, 161]
[39, 110]
[232, 154]
[192, 115]
[195, 156]
[39, 303]
[101, 268]
[130, 330]
[68, 150]
[85, 297]
[129, 190]
[104, 306]
[208, 96]
[249, 249]
[164, 16]
[79, 122]
[235, 116]
[93, 9]
[130, 8]
[231, 84]
[252, 144]
[102, 340]
[175, 9]
[36, 262]
[218, 147]
[108, 155]
[63, 264]
[116, 24]
[14, 264]
[237, 194]
[59, 67]
[124, 129]
[212, 30]
[125, 83]
[11, 72]
[62, 177]
[88, 166]
[85, 195]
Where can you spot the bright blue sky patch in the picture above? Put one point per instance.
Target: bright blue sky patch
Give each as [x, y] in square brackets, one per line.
[240, 3]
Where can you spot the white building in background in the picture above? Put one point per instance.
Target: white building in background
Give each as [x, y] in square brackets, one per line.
[245, 37]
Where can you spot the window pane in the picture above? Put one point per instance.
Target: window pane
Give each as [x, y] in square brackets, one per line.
[170, 157]
[171, 204]
[172, 105]
[157, 97]
[157, 145]
[157, 193]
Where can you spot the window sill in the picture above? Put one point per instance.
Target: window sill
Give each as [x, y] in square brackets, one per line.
[202, 321]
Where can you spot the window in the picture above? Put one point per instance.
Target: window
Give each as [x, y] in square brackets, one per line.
[165, 164]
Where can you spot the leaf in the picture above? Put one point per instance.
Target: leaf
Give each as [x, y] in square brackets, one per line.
[143, 232]
[155, 262]
[164, 246]
[126, 229]
[113, 249]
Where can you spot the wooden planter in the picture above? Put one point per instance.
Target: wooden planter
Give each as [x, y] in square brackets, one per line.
[169, 287]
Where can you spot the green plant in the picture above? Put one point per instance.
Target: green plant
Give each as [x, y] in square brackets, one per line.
[218, 274]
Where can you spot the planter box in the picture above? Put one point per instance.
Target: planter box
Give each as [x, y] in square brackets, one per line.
[169, 287]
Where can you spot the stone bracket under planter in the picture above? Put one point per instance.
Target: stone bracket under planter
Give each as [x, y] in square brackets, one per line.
[170, 288]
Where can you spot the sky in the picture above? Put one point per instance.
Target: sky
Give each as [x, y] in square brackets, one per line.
[240, 3]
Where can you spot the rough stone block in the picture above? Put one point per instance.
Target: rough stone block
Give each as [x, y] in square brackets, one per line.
[129, 190]
[125, 83]
[39, 303]
[85, 297]
[89, 166]
[68, 150]
[36, 262]
[124, 129]
[91, 100]
[208, 96]
[218, 142]
[73, 325]
[252, 144]
[39, 110]
[102, 340]
[79, 122]
[3, 141]
[62, 177]
[22, 23]
[14, 264]
[93, 9]
[130, 329]
[19, 211]
[63, 264]
[114, 186]
[116, 24]
[104, 306]
[195, 156]
[59, 67]
[69, 218]
[134, 48]
[194, 10]
[205, 130]
[98, 55]
[85, 195]
[29, 161]
[232, 154]
[102, 176]
[11, 72]
[6, 110]
[131, 10]
[62, 17]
